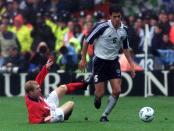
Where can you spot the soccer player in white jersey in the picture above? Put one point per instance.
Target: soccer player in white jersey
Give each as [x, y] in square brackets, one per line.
[108, 38]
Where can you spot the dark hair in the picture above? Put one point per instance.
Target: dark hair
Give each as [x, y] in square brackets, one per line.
[43, 49]
[114, 9]
[63, 50]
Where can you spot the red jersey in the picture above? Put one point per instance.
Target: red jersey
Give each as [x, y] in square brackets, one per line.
[37, 109]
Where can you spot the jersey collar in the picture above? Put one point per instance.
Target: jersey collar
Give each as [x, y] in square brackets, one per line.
[33, 99]
[111, 25]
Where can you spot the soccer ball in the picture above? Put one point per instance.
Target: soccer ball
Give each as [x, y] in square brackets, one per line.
[146, 114]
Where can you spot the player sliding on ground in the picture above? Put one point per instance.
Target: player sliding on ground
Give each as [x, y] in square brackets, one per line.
[47, 110]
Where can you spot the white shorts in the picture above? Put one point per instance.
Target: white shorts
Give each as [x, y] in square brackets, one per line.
[53, 101]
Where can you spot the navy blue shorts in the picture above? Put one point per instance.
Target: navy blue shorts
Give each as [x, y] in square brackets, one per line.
[104, 70]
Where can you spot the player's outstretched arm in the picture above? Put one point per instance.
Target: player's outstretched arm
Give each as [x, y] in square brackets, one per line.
[42, 74]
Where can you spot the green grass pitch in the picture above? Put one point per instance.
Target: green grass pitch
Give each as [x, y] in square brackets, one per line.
[13, 115]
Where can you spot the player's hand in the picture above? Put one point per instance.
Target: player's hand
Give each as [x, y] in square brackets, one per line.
[47, 119]
[50, 62]
[82, 64]
[132, 70]
[133, 73]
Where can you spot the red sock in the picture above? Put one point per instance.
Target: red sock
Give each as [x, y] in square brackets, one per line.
[75, 86]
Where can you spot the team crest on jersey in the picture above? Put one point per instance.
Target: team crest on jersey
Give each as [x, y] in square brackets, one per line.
[122, 35]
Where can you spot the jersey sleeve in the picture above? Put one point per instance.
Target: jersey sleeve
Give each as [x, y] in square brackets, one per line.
[37, 120]
[126, 40]
[96, 31]
[126, 43]
[41, 76]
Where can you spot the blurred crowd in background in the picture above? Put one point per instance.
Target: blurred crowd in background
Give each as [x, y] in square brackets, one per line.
[32, 30]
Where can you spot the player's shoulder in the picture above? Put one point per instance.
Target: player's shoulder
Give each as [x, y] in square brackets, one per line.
[102, 24]
[124, 27]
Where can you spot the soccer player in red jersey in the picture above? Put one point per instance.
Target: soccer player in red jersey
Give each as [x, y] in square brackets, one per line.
[47, 110]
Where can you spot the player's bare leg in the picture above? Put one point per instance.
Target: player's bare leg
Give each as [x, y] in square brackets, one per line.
[67, 109]
[61, 91]
[99, 92]
[116, 89]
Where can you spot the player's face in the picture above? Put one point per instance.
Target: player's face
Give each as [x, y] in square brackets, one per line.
[36, 92]
[116, 19]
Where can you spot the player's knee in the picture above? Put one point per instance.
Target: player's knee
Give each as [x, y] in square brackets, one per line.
[63, 87]
[116, 92]
[71, 104]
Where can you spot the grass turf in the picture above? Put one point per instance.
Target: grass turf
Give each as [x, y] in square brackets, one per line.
[13, 115]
